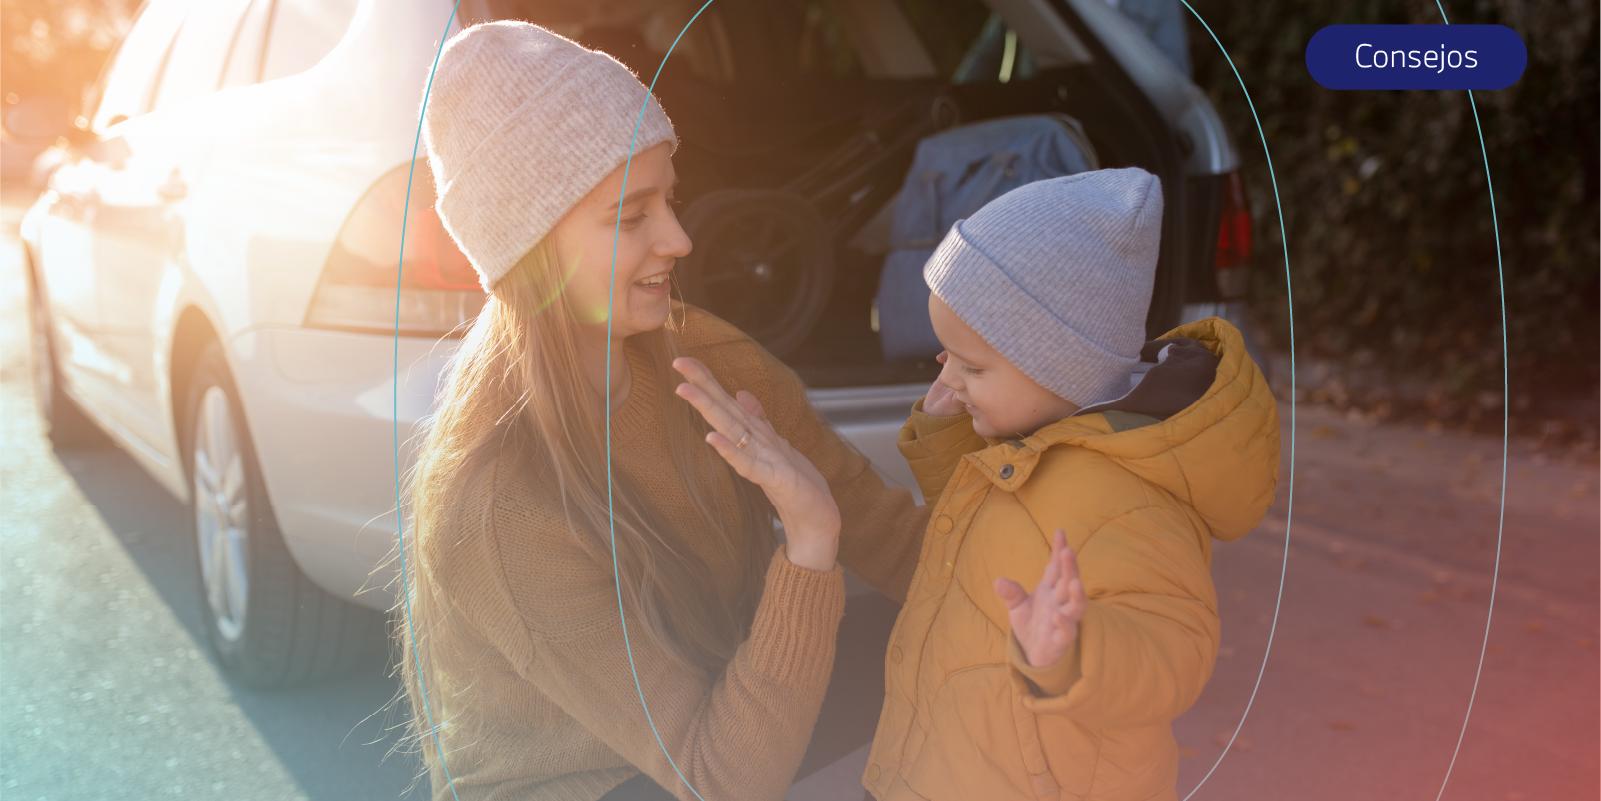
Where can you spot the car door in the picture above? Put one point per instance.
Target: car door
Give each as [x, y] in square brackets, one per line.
[70, 240]
[144, 199]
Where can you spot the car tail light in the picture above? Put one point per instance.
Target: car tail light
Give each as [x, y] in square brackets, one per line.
[1233, 256]
[438, 290]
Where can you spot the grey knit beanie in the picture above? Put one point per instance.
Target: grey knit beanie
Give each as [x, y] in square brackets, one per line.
[1056, 275]
[521, 124]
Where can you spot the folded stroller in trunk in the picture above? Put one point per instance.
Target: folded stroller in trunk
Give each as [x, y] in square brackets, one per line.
[953, 174]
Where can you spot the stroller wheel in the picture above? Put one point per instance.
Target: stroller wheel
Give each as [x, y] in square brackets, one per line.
[763, 260]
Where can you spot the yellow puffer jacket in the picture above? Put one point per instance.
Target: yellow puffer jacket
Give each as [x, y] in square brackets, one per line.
[1141, 488]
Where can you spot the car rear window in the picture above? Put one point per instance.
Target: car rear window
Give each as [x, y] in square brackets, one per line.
[130, 81]
[303, 32]
[195, 66]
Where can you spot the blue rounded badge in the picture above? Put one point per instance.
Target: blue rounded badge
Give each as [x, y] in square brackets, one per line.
[1416, 57]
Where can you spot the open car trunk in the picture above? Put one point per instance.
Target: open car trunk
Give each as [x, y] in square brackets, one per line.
[797, 131]
[827, 322]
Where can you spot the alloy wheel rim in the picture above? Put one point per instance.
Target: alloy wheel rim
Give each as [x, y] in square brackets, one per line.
[220, 514]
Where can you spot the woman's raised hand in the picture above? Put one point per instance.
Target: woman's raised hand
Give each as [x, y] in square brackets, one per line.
[745, 439]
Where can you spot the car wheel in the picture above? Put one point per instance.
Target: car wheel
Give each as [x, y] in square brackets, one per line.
[65, 423]
[267, 624]
[763, 260]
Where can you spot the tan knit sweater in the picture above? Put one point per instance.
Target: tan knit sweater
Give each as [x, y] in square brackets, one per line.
[560, 716]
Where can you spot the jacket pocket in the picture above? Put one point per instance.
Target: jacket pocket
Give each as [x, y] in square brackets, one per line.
[1059, 754]
[981, 743]
[1029, 746]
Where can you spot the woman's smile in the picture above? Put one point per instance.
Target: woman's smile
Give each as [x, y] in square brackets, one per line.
[656, 284]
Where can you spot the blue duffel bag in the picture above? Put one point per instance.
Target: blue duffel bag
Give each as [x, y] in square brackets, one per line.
[954, 173]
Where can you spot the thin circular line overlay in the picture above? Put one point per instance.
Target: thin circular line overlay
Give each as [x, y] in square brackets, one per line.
[1289, 298]
[611, 517]
[395, 410]
[1500, 522]
[394, 416]
[1501, 518]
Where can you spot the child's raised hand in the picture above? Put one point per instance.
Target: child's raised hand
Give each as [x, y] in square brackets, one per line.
[940, 400]
[1046, 622]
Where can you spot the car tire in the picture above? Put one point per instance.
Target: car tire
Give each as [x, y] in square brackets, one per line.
[65, 423]
[763, 260]
[267, 624]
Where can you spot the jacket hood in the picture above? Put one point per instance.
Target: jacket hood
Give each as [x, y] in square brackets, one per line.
[1202, 424]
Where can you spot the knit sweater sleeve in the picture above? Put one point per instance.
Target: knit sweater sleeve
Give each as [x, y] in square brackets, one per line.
[881, 525]
[739, 733]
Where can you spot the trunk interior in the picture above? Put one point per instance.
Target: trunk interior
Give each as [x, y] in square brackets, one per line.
[841, 347]
[793, 146]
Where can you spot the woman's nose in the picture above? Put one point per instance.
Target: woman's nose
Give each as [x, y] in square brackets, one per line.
[674, 241]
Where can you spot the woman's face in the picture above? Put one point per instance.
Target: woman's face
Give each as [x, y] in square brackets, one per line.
[649, 241]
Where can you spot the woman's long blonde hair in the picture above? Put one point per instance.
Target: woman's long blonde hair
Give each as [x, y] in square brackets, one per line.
[516, 395]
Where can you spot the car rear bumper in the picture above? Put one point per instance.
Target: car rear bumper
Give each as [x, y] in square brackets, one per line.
[326, 415]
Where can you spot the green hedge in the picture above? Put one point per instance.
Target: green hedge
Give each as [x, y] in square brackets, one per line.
[1392, 250]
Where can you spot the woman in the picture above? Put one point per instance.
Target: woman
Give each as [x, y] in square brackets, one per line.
[523, 659]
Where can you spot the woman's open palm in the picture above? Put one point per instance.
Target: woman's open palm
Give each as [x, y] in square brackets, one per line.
[1045, 623]
[745, 439]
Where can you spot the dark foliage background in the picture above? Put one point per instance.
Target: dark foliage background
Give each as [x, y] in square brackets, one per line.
[1393, 265]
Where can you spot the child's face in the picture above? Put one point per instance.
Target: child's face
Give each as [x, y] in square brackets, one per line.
[1001, 399]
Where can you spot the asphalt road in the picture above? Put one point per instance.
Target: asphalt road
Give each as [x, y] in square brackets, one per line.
[106, 691]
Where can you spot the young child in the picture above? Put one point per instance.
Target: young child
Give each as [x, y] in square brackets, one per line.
[1038, 458]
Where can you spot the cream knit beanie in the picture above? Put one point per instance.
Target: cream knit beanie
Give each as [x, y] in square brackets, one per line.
[520, 125]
